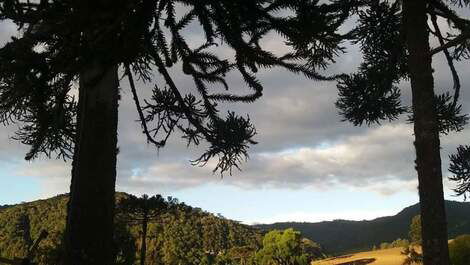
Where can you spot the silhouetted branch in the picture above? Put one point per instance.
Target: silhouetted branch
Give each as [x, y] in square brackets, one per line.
[143, 122]
[454, 42]
[450, 60]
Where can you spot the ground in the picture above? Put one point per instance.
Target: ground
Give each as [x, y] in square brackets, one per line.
[390, 256]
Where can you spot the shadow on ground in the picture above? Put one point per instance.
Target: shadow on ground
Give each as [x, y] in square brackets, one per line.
[358, 262]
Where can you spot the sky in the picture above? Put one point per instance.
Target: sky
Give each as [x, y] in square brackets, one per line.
[308, 165]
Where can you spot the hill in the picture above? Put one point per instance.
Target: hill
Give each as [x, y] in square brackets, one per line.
[188, 236]
[343, 236]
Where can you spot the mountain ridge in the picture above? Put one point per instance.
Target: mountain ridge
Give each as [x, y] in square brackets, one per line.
[343, 236]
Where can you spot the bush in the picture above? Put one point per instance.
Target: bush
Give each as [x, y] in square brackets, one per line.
[459, 250]
[399, 243]
[384, 245]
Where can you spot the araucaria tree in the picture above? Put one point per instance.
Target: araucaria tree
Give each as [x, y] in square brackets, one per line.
[140, 211]
[460, 168]
[68, 44]
[394, 38]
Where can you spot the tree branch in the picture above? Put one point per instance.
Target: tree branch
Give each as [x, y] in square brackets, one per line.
[456, 41]
[162, 69]
[449, 59]
[150, 139]
[444, 11]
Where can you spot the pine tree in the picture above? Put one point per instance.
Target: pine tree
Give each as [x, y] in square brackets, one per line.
[133, 210]
[415, 230]
[66, 44]
[394, 38]
[460, 168]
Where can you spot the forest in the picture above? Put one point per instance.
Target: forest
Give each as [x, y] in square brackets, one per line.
[184, 235]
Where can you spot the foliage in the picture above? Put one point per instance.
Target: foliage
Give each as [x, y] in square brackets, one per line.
[384, 245]
[140, 211]
[412, 257]
[58, 39]
[460, 168]
[459, 250]
[281, 247]
[398, 243]
[132, 209]
[182, 235]
[415, 230]
[126, 250]
[372, 94]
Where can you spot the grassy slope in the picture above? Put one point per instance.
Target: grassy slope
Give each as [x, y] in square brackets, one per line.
[390, 256]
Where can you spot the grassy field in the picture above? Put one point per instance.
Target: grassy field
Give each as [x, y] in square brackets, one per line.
[390, 256]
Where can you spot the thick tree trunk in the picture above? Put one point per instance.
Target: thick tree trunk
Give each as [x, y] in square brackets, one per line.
[89, 229]
[143, 249]
[427, 144]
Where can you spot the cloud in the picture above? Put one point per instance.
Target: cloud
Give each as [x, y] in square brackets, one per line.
[53, 175]
[302, 141]
[8, 29]
[374, 160]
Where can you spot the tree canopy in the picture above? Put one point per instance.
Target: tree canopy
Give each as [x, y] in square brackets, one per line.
[460, 168]
[372, 95]
[282, 248]
[39, 69]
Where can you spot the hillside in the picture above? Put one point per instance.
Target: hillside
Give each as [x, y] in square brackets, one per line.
[182, 237]
[391, 256]
[342, 236]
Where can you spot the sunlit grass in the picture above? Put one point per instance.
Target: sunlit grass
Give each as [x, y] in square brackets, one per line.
[391, 256]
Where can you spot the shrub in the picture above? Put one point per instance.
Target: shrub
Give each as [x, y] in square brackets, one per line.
[400, 243]
[384, 245]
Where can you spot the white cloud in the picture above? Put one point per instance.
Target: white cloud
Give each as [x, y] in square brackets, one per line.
[301, 216]
[373, 160]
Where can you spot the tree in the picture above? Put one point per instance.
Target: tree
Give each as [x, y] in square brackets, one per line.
[460, 167]
[281, 248]
[415, 230]
[312, 249]
[239, 255]
[184, 244]
[125, 244]
[133, 210]
[394, 39]
[65, 44]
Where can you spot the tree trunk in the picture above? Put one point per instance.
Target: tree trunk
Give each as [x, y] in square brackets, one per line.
[143, 249]
[89, 229]
[427, 144]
